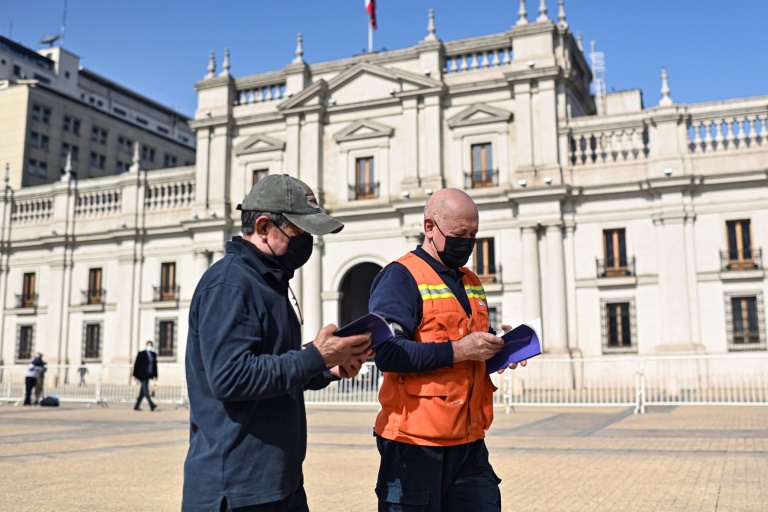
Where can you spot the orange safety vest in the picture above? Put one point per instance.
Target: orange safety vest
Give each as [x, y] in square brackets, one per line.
[448, 406]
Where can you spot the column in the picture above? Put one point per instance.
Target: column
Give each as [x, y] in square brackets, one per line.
[431, 147]
[531, 281]
[570, 286]
[673, 283]
[555, 313]
[312, 278]
[202, 261]
[410, 173]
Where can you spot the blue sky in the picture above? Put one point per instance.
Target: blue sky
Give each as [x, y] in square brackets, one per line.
[712, 49]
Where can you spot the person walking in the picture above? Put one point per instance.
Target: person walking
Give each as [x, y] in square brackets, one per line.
[144, 369]
[246, 367]
[83, 371]
[436, 399]
[39, 385]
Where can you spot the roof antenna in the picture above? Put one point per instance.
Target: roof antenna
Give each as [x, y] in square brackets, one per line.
[63, 23]
[50, 40]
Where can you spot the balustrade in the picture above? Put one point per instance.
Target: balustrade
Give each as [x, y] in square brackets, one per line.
[476, 60]
[607, 146]
[96, 203]
[728, 132]
[31, 210]
[261, 94]
[160, 196]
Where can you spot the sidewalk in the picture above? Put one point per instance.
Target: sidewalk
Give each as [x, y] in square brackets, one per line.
[550, 459]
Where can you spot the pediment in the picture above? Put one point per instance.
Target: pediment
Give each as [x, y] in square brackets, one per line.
[479, 114]
[363, 129]
[362, 83]
[259, 144]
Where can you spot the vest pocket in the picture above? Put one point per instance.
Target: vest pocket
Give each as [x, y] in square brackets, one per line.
[435, 404]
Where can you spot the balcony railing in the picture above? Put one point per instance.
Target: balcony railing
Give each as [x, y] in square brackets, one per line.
[163, 293]
[94, 296]
[615, 269]
[481, 178]
[26, 300]
[746, 259]
[363, 191]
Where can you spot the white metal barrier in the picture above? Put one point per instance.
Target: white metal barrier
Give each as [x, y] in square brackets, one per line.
[625, 381]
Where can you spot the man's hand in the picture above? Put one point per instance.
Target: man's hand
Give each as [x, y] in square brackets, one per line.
[512, 366]
[342, 351]
[347, 371]
[477, 346]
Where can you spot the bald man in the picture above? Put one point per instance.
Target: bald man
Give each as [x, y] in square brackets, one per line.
[436, 399]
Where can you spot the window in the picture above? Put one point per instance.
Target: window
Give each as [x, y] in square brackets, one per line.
[92, 341]
[170, 160]
[365, 186]
[41, 78]
[42, 169]
[98, 160]
[94, 158]
[76, 127]
[95, 293]
[259, 174]
[124, 144]
[67, 149]
[34, 140]
[482, 165]
[25, 342]
[147, 153]
[44, 142]
[99, 135]
[745, 321]
[168, 281]
[17, 71]
[28, 291]
[120, 167]
[163, 130]
[141, 120]
[494, 318]
[618, 326]
[102, 161]
[37, 112]
[46, 116]
[484, 261]
[740, 253]
[615, 254]
[166, 338]
[32, 166]
[67, 124]
[117, 111]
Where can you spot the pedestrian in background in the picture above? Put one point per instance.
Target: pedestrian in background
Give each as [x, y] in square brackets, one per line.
[144, 369]
[34, 372]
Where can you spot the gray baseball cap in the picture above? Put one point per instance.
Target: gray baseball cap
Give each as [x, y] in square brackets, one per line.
[280, 193]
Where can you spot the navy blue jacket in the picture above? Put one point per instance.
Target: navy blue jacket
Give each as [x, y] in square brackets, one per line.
[395, 296]
[246, 373]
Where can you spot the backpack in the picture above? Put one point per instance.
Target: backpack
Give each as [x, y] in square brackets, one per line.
[50, 401]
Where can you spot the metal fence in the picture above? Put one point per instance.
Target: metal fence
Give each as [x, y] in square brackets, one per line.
[624, 381]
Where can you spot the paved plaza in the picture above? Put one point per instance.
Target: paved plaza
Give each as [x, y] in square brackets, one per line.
[686, 458]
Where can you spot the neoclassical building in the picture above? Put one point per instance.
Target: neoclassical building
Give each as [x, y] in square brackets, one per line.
[635, 231]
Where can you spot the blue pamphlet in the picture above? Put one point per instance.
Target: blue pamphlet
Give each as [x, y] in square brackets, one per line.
[380, 330]
[522, 342]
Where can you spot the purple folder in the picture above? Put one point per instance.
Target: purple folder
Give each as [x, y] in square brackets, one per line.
[522, 342]
[375, 324]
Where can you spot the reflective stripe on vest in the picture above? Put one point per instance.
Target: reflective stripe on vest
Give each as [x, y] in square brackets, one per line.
[439, 291]
[475, 292]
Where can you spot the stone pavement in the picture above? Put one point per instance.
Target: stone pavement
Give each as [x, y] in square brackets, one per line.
[685, 458]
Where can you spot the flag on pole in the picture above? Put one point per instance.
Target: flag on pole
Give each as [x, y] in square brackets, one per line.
[370, 8]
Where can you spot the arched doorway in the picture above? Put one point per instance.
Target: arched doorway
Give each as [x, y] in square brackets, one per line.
[355, 291]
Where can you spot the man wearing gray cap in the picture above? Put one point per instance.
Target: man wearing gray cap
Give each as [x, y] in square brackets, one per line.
[246, 370]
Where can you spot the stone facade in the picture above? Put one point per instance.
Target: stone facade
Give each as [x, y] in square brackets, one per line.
[638, 231]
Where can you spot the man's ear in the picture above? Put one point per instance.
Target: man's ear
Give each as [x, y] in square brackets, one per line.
[429, 226]
[262, 226]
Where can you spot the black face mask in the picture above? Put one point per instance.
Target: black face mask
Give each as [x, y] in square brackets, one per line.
[297, 254]
[457, 250]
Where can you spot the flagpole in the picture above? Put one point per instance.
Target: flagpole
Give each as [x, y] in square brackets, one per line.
[370, 38]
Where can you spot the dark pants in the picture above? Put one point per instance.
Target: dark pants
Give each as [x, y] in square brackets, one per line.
[296, 502]
[436, 479]
[30, 383]
[144, 392]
